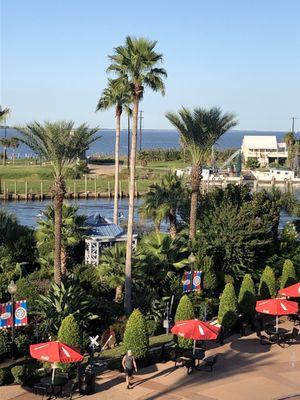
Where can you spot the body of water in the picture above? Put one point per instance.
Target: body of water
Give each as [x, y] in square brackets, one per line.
[151, 139]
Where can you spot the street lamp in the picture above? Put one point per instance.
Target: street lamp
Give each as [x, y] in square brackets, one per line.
[12, 290]
[192, 259]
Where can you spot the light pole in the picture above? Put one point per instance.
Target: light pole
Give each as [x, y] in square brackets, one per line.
[192, 260]
[12, 290]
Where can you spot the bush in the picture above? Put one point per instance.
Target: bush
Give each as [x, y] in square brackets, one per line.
[267, 284]
[185, 311]
[119, 328]
[210, 281]
[18, 374]
[136, 336]
[69, 332]
[288, 276]
[2, 376]
[5, 344]
[22, 343]
[227, 315]
[247, 297]
[151, 327]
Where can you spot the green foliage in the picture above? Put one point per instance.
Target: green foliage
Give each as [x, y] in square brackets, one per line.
[288, 276]
[22, 343]
[210, 281]
[119, 328]
[252, 163]
[228, 308]
[185, 311]
[267, 284]
[2, 376]
[247, 297]
[160, 155]
[18, 374]
[5, 343]
[69, 332]
[136, 336]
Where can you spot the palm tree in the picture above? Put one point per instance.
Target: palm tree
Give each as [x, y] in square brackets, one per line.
[111, 269]
[4, 114]
[290, 140]
[6, 143]
[199, 130]
[14, 144]
[163, 200]
[72, 231]
[129, 116]
[61, 145]
[137, 63]
[117, 94]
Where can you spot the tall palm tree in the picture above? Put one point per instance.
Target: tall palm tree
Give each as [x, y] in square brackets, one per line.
[6, 143]
[14, 144]
[199, 130]
[137, 63]
[117, 94]
[60, 144]
[4, 114]
[163, 200]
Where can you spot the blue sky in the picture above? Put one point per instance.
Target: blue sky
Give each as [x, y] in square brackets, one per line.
[241, 55]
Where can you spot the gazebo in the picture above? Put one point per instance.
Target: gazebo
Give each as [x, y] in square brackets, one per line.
[102, 233]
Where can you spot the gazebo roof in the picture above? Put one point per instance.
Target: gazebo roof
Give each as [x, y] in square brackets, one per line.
[102, 227]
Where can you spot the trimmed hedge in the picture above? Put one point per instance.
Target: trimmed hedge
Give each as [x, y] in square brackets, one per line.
[136, 336]
[228, 308]
[267, 284]
[18, 373]
[69, 332]
[288, 276]
[2, 376]
[247, 298]
[185, 311]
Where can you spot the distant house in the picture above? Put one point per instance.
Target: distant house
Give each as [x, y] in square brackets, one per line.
[265, 149]
[101, 233]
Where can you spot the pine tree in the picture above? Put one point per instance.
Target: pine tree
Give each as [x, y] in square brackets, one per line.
[267, 284]
[69, 332]
[185, 311]
[136, 336]
[209, 276]
[247, 297]
[228, 308]
[288, 276]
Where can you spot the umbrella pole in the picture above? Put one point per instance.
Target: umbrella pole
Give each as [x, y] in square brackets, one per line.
[53, 371]
[276, 323]
[194, 347]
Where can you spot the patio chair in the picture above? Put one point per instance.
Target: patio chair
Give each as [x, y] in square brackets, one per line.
[263, 340]
[290, 337]
[211, 361]
[69, 389]
[39, 390]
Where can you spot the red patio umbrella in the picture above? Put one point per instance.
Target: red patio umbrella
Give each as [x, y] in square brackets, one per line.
[277, 307]
[195, 330]
[55, 352]
[291, 291]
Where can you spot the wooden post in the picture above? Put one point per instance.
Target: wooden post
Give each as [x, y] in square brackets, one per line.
[74, 190]
[136, 189]
[108, 187]
[95, 183]
[16, 189]
[4, 190]
[120, 186]
[42, 190]
[26, 190]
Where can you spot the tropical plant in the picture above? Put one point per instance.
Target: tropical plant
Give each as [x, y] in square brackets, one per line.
[163, 201]
[252, 163]
[137, 63]
[210, 281]
[228, 308]
[60, 144]
[14, 144]
[69, 332]
[18, 373]
[5, 143]
[288, 276]
[72, 231]
[290, 140]
[267, 284]
[184, 312]
[199, 130]
[247, 297]
[111, 269]
[117, 94]
[136, 336]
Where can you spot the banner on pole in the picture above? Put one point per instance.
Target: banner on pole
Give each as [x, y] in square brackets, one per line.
[6, 317]
[21, 318]
[192, 281]
[187, 286]
[197, 278]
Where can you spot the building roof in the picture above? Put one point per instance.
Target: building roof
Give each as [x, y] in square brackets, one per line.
[260, 142]
[102, 227]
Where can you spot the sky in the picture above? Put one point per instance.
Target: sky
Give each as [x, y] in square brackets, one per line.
[243, 56]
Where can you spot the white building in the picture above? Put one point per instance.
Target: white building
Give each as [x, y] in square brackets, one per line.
[265, 149]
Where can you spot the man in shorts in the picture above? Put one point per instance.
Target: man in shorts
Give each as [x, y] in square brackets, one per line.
[129, 365]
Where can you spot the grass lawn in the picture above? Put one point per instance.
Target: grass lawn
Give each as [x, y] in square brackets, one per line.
[119, 351]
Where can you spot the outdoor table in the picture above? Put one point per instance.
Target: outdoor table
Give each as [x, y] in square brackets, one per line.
[58, 382]
[276, 333]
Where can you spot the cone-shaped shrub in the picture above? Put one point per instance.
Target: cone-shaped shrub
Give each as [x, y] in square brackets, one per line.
[247, 298]
[185, 311]
[69, 331]
[288, 276]
[136, 335]
[267, 284]
[209, 276]
[228, 308]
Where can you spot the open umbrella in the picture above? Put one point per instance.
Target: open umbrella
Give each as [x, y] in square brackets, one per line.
[276, 307]
[195, 330]
[291, 291]
[55, 352]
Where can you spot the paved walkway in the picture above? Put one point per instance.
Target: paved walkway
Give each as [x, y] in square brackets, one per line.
[245, 370]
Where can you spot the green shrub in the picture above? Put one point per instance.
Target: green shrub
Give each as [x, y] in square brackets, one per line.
[267, 284]
[228, 308]
[119, 328]
[18, 374]
[2, 376]
[185, 311]
[22, 343]
[288, 276]
[69, 332]
[136, 336]
[5, 344]
[210, 281]
[247, 297]
[151, 327]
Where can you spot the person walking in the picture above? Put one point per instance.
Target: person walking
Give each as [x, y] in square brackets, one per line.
[129, 365]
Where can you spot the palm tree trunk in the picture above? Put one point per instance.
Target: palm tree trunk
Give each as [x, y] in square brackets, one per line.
[157, 226]
[128, 141]
[63, 260]
[119, 293]
[128, 282]
[195, 183]
[14, 156]
[59, 191]
[173, 224]
[4, 155]
[117, 151]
